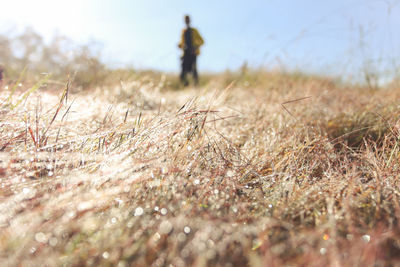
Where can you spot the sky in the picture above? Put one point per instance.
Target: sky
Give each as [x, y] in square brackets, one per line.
[330, 36]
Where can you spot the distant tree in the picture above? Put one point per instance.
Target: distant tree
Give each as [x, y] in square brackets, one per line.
[60, 57]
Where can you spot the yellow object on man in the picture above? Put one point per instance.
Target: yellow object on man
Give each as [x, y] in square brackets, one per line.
[197, 40]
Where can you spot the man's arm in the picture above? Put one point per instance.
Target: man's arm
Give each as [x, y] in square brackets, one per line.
[182, 42]
[197, 39]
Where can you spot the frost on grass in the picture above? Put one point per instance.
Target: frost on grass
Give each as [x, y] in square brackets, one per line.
[139, 176]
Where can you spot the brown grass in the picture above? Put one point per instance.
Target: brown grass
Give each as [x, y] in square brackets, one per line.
[254, 173]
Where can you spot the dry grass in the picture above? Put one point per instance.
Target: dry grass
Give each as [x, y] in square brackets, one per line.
[250, 174]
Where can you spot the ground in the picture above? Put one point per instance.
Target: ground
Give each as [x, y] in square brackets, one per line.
[272, 169]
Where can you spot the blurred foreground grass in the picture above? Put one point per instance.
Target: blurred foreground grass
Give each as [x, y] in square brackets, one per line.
[256, 168]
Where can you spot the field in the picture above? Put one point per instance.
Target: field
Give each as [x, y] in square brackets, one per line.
[258, 168]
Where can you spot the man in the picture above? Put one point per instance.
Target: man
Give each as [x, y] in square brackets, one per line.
[190, 43]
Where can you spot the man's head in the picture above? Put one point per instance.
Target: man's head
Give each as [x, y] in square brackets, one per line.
[187, 20]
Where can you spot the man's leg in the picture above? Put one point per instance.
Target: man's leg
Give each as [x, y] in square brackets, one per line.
[183, 76]
[194, 70]
[184, 71]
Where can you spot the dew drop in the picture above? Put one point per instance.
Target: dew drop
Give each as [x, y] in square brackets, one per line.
[40, 237]
[165, 227]
[53, 241]
[71, 214]
[186, 229]
[156, 237]
[106, 255]
[138, 211]
[130, 224]
[366, 238]
[181, 237]
[164, 211]
[185, 253]
[119, 201]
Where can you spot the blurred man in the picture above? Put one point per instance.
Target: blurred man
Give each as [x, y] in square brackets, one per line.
[190, 43]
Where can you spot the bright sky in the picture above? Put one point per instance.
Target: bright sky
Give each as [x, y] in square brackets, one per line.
[332, 36]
